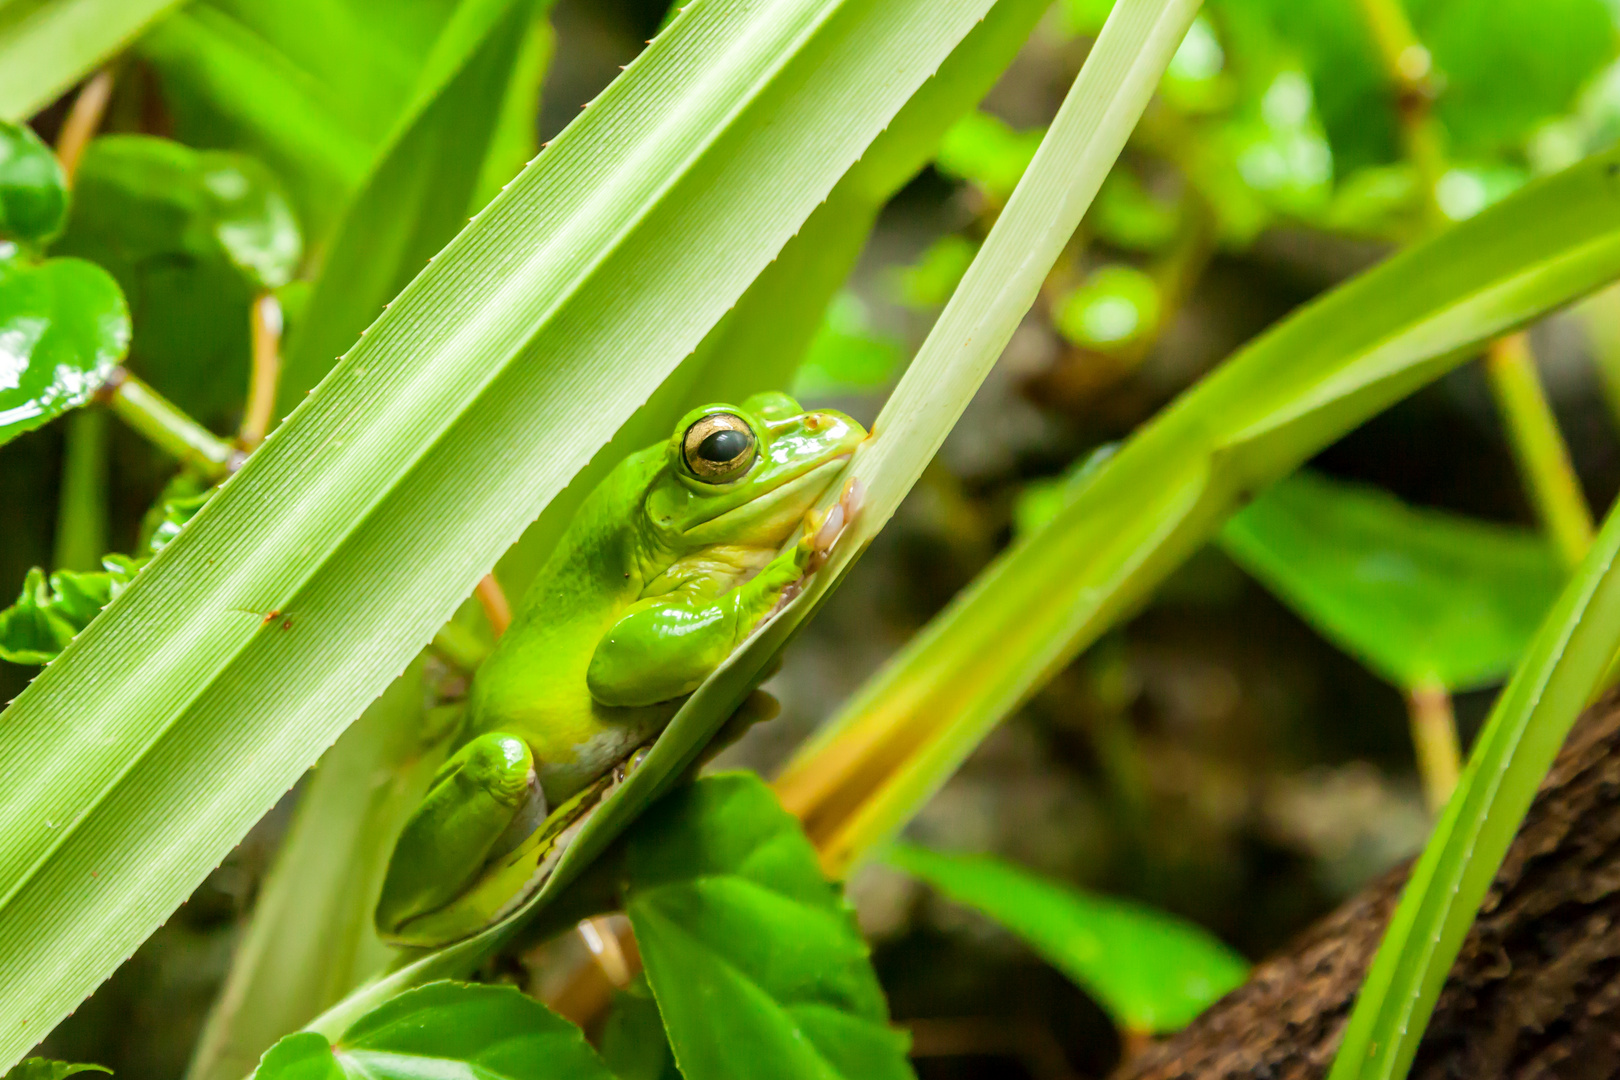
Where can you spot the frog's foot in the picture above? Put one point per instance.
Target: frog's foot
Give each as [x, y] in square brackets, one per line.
[833, 525]
[482, 803]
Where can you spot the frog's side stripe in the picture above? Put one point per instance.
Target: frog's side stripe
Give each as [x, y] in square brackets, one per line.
[509, 883]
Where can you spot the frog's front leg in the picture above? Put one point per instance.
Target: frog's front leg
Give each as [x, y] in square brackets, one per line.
[664, 646]
[481, 803]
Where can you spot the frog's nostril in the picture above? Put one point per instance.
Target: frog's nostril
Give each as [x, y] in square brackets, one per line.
[815, 422]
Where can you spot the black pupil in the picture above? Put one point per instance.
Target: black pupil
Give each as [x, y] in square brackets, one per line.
[723, 445]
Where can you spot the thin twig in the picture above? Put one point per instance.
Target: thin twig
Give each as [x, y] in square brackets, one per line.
[1434, 737]
[608, 949]
[166, 426]
[1539, 447]
[261, 401]
[1410, 69]
[493, 600]
[83, 120]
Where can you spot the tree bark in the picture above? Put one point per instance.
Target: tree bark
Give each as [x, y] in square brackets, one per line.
[1535, 992]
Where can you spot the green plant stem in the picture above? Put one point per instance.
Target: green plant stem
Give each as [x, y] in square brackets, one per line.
[1434, 736]
[81, 515]
[1410, 70]
[167, 428]
[1538, 447]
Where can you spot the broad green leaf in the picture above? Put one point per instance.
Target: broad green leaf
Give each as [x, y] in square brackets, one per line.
[192, 237]
[1416, 595]
[1112, 90]
[311, 87]
[46, 1069]
[610, 258]
[33, 189]
[1551, 47]
[444, 1029]
[752, 955]
[634, 1044]
[48, 45]
[1113, 307]
[63, 328]
[1557, 678]
[516, 138]
[1151, 971]
[1298, 387]
[420, 191]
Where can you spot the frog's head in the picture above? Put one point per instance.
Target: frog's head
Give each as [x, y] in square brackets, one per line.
[747, 474]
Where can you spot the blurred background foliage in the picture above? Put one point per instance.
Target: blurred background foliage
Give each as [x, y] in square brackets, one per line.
[1240, 753]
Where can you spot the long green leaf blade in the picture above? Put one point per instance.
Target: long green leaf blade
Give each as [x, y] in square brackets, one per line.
[1292, 391]
[133, 763]
[1552, 685]
[418, 193]
[47, 45]
[1100, 111]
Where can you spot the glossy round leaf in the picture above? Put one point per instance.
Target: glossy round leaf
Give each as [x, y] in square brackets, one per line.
[443, 1029]
[33, 191]
[192, 237]
[63, 327]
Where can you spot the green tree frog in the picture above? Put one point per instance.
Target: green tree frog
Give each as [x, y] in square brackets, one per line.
[670, 562]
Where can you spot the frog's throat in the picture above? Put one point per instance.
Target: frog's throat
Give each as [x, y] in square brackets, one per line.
[802, 489]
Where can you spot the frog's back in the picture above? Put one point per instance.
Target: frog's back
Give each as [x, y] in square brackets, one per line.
[533, 685]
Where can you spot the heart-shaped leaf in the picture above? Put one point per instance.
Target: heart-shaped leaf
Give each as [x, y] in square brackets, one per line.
[63, 328]
[1414, 594]
[443, 1029]
[633, 1041]
[1150, 971]
[33, 191]
[752, 954]
[192, 237]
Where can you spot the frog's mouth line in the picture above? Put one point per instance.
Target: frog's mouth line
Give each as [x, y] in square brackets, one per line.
[760, 507]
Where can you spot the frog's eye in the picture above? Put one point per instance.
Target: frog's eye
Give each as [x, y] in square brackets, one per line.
[718, 448]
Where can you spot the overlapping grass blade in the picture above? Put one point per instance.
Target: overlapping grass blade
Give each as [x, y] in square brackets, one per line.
[1294, 390]
[48, 45]
[1556, 679]
[1098, 115]
[135, 761]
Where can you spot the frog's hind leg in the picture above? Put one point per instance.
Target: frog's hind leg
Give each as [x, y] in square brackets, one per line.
[481, 804]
